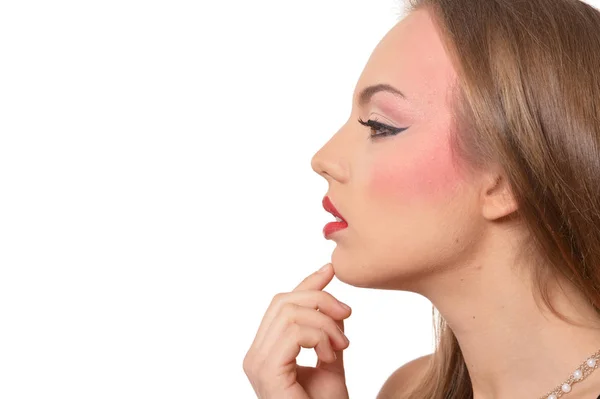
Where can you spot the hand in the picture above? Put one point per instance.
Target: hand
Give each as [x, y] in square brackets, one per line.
[306, 317]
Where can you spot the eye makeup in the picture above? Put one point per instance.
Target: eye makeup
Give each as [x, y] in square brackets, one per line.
[380, 129]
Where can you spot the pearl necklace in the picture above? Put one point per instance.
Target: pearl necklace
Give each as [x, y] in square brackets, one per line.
[582, 371]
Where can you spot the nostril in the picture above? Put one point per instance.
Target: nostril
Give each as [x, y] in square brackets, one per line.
[320, 170]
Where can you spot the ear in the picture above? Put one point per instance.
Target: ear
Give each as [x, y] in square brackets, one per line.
[497, 199]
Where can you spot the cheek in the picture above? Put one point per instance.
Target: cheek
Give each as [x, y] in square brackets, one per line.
[421, 176]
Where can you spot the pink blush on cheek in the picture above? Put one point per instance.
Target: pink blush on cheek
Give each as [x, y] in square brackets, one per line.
[424, 175]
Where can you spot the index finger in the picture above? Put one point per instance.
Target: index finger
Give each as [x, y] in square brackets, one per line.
[318, 280]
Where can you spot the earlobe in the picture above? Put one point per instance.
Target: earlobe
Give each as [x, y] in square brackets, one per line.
[497, 198]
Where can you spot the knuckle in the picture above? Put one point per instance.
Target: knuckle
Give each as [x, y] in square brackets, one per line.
[247, 364]
[288, 312]
[289, 308]
[326, 297]
[278, 298]
[293, 330]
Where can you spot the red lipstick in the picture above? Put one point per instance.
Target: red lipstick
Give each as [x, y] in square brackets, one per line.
[332, 227]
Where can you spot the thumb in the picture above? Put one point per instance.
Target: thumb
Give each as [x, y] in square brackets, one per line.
[338, 365]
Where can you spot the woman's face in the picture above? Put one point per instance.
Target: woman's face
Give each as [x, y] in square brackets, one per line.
[409, 210]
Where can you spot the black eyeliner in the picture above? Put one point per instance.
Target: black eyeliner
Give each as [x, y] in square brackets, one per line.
[381, 127]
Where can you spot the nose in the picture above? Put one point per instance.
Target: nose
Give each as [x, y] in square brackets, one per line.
[328, 161]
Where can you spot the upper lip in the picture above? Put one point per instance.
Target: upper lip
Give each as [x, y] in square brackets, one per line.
[330, 208]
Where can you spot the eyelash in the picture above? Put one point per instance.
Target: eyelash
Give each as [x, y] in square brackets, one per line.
[380, 127]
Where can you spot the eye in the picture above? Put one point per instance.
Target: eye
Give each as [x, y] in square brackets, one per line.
[380, 128]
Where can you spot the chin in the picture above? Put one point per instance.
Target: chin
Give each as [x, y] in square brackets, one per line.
[371, 274]
[351, 270]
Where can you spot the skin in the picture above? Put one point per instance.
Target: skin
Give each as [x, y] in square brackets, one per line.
[290, 323]
[394, 190]
[417, 223]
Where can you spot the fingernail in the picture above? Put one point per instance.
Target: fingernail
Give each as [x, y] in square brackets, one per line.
[342, 304]
[324, 268]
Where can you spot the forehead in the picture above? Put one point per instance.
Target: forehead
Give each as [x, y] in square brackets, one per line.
[411, 57]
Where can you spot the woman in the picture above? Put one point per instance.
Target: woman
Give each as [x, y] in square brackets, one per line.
[468, 172]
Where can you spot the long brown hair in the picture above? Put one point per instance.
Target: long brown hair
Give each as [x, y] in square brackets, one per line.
[527, 98]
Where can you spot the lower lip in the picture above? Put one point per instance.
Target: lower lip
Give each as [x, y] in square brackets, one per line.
[332, 227]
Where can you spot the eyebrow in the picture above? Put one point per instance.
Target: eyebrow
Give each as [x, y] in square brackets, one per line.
[370, 91]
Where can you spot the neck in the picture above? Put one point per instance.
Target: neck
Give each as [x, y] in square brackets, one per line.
[512, 344]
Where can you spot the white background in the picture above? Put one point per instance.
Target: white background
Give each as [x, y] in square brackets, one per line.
[156, 192]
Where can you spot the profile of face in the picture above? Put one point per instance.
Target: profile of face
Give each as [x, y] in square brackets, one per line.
[410, 211]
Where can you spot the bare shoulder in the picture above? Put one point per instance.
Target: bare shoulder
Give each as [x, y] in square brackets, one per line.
[404, 377]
